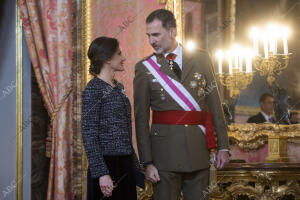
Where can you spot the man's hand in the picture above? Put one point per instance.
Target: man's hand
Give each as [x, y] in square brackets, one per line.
[152, 173]
[106, 185]
[222, 159]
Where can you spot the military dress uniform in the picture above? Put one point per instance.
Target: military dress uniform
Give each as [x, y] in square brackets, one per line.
[178, 151]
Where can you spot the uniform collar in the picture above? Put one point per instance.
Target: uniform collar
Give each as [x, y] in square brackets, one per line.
[178, 52]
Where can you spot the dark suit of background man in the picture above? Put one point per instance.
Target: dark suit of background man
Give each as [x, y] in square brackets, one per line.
[267, 109]
[175, 156]
[294, 118]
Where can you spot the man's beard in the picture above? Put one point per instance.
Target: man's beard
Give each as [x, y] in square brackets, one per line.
[160, 50]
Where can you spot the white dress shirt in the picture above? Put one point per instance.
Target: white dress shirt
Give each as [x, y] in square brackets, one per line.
[267, 117]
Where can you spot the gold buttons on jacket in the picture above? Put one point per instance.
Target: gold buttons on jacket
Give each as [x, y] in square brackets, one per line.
[155, 133]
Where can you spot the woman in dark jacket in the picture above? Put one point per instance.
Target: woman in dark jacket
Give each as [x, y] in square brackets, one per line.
[106, 126]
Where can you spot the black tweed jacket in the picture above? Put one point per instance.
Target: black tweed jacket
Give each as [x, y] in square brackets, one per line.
[106, 124]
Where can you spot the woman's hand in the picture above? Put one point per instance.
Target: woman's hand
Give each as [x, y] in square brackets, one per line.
[106, 185]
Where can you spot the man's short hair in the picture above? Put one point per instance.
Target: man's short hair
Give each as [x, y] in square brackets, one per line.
[166, 17]
[264, 97]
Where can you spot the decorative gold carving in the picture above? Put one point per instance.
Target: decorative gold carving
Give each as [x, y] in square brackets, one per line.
[271, 66]
[236, 81]
[253, 136]
[19, 108]
[267, 184]
[277, 149]
[147, 193]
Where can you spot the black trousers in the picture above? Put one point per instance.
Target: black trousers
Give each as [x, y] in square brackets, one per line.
[118, 166]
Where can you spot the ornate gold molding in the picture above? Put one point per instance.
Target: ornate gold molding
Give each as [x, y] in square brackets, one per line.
[254, 136]
[257, 182]
[145, 194]
[86, 24]
[19, 110]
[85, 38]
[176, 7]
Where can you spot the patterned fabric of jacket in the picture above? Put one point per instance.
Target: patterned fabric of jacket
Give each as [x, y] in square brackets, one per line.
[106, 124]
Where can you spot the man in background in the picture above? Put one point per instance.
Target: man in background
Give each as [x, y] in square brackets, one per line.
[267, 109]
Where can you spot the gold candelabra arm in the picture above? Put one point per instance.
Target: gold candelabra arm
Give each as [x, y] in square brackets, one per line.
[236, 81]
[271, 66]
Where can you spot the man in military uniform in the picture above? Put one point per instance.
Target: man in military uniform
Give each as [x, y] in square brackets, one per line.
[180, 88]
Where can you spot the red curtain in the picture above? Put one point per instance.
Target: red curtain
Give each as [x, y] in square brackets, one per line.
[47, 26]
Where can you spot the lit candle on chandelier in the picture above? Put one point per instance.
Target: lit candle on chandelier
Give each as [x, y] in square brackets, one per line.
[236, 56]
[265, 41]
[219, 55]
[229, 62]
[248, 58]
[240, 61]
[254, 33]
[272, 31]
[285, 33]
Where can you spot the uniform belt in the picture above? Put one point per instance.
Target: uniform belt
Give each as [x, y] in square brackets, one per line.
[180, 117]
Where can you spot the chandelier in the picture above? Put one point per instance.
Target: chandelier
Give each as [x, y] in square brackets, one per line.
[240, 74]
[271, 63]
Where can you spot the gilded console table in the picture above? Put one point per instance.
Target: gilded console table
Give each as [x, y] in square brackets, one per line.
[250, 181]
[257, 181]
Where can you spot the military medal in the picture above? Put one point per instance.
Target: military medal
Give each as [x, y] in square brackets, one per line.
[154, 80]
[198, 76]
[162, 95]
[170, 58]
[200, 82]
[193, 84]
[171, 64]
[201, 92]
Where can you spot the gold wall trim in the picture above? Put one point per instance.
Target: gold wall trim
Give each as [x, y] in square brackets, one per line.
[176, 7]
[19, 113]
[86, 39]
[86, 24]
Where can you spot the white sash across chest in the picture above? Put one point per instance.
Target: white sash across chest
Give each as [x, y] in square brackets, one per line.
[174, 88]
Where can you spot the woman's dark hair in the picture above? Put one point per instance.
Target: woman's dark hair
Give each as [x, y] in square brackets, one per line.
[101, 50]
[166, 17]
